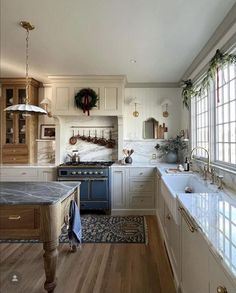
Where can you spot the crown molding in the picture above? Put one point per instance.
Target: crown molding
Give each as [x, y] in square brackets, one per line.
[225, 26]
[87, 78]
[152, 85]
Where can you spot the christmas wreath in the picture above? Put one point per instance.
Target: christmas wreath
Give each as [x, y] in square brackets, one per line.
[86, 99]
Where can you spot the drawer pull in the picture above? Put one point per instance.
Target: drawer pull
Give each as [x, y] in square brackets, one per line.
[168, 217]
[221, 289]
[23, 173]
[188, 221]
[14, 217]
[141, 173]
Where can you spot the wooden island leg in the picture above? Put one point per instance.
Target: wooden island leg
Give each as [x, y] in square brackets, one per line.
[50, 264]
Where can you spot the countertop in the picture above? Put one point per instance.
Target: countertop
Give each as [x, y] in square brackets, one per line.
[35, 192]
[160, 166]
[215, 215]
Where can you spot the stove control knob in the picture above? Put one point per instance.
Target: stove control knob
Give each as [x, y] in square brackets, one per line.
[85, 172]
[95, 172]
[101, 172]
[79, 173]
[90, 173]
[73, 173]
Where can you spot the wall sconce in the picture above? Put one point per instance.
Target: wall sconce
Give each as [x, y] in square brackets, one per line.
[134, 101]
[165, 103]
[45, 103]
[135, 113]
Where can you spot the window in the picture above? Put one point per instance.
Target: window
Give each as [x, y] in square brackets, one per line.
[213, 119]
[200, 123]
[225, 112]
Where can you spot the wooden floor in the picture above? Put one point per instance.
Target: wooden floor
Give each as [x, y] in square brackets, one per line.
[95, 268]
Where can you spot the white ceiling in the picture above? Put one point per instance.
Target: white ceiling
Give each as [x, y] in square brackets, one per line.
[80, 37]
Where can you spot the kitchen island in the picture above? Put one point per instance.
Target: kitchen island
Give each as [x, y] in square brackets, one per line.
[36, 210]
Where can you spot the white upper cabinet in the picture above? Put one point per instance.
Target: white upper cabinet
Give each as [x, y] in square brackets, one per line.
[110, 91]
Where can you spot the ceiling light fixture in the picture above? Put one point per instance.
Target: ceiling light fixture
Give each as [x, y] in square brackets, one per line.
[26, 108]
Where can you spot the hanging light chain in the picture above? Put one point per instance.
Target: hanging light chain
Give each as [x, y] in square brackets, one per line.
[27, 67]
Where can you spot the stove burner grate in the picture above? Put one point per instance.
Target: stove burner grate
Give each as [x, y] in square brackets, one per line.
[88, 164]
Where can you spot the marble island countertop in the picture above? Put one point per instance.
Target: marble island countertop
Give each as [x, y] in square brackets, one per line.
[215, 216]
[35, 192]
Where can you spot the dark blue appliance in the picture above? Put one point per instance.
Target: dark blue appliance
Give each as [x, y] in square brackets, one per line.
[95, 188]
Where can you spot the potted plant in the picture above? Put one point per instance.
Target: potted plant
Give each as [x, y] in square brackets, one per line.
[170, 148]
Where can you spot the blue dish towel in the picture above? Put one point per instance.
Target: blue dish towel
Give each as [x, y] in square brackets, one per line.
[75, 230]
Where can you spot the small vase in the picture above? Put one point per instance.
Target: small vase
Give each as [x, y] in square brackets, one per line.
[171, 157]
[128, 160]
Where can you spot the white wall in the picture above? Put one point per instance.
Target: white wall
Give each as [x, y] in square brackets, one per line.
[150, 106]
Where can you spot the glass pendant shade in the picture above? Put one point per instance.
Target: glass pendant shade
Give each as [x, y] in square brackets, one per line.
[26, 108]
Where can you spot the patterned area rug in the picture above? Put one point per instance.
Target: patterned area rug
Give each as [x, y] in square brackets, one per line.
[106, 229]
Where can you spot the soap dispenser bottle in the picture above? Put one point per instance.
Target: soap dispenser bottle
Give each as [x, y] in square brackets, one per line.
[186, 164]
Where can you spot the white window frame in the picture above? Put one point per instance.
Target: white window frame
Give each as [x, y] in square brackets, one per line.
[201, 155]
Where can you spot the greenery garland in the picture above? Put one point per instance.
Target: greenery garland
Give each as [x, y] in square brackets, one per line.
[188, 92]
[86, 99]
[219, 61]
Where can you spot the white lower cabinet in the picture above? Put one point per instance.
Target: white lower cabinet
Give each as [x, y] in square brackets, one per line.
[133, 188]
[194, 259]
[219, 282]
[47, 174]
[118, 189]
[30, 174]
[196, 269]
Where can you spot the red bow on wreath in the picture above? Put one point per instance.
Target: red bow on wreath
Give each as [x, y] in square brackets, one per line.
[86, 105]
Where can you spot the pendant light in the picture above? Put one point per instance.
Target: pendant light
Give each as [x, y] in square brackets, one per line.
[26, 108]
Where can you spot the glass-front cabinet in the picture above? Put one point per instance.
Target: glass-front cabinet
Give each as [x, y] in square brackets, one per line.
[18, 130]
[15, 130]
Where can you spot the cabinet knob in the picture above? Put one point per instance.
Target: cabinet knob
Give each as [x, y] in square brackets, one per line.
[141, 173]
[168, 217]
[221, 289]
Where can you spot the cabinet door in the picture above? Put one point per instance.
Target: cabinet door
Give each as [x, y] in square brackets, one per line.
[47, 175]
[175, 245]
[194, 259]
[84, 189]
[118, 188]
[167, 224]
[99, 189]
[20, 126]
[161, 210]
[218, 278]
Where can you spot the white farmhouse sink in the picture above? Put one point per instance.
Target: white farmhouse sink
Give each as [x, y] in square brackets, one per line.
[171, 185]
[178, 183]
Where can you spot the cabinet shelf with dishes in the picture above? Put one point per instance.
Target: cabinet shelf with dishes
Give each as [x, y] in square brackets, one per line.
[18, 132]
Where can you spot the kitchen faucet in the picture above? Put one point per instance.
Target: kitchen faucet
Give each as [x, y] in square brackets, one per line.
[205, 170]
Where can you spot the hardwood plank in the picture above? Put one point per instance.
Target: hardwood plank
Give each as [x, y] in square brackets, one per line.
[95, 268]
